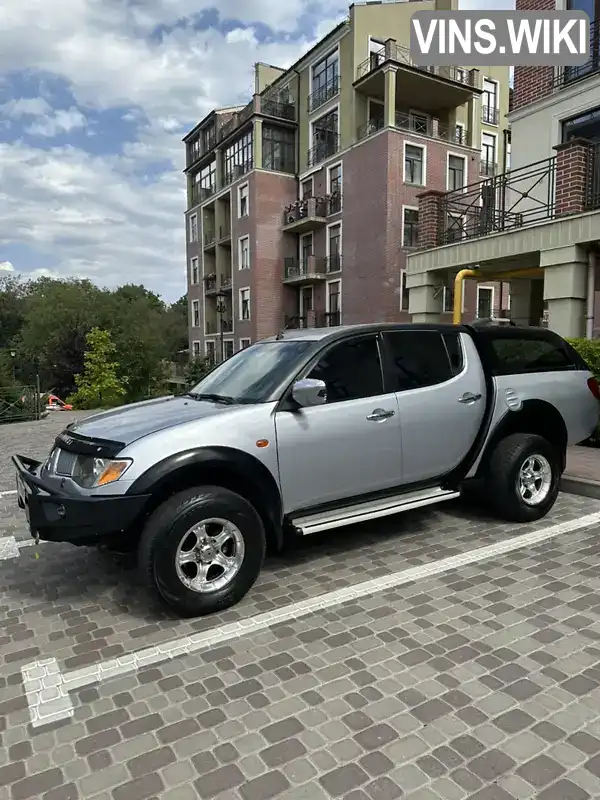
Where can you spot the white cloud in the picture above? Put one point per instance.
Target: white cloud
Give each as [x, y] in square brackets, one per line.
[60, 121]
[6, 266]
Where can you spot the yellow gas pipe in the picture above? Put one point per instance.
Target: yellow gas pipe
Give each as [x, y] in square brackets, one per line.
[533, 272]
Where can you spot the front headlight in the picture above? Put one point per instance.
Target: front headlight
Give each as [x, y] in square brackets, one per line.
[90, 472]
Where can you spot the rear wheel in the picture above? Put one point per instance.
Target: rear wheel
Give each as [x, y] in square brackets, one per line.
[523, 478]
[202, 550]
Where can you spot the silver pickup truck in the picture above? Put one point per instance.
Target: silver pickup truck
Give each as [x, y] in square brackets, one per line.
[309, 431]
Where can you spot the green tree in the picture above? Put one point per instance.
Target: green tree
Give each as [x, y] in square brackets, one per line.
[98, 385]
[195, 370]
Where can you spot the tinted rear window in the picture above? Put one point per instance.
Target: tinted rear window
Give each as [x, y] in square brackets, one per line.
[417, 359]
[513, 354]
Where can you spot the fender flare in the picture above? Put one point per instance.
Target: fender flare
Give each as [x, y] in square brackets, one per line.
[241, 465]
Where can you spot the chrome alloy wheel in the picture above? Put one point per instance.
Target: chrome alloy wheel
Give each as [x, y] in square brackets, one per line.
[209, 555]
[534, 480]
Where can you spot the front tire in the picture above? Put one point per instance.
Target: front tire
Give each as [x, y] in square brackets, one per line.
[523, 478]
[202, 550]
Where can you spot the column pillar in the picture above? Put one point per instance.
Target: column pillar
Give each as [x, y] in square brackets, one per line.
[257, 144]
[565, 289]
[389, 96]
[425, 297]
[520, 301]
[430, 218]
[573, 175]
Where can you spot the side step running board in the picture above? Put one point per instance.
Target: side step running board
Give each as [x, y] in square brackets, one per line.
[363, 512]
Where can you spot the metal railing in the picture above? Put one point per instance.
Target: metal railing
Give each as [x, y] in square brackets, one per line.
[269, 106]
[487, 168]
[210, 283]
[303, 268]
[490, 115]
[225, 231]
[500, 203]
[311, 207]
[226, 282]
[294, 322]
[20, 404]
[209, 238]
[324, 93]
[567, 75]
[401, 55]
[328, 146]
[592, 200]
[421, 125]
[370, 127]
[334, 203]
[201, 193]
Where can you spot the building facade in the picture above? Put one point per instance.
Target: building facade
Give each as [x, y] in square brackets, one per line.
[303, 204]
[538, 222]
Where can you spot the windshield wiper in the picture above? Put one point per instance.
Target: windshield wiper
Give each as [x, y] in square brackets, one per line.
[214, 398]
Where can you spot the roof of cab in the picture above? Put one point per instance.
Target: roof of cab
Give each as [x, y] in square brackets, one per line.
[317, 334]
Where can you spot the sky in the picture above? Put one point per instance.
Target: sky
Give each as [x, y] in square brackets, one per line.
[95, 96]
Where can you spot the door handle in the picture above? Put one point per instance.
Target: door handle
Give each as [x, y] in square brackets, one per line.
[380, 413]
[468, 398]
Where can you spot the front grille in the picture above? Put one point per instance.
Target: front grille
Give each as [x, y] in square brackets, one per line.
[64, 462]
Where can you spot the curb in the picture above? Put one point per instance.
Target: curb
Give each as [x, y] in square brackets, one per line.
[580, 486]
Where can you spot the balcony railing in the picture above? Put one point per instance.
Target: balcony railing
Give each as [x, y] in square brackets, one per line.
[370, 127]
[226, 283]
[487, 168]
[335, 203]
[332, 318]
[311, 207]
[567, 75]
[426, 126]
[201, 193]
[210, 283]
[269, 106]
[294, 322]
[209, 238]
[238, 171]
[224, 232]
[401, 55]
[226, 325]
[304, 268]
[500, 203]
[324, 93]
[490, 115]
[327, 147]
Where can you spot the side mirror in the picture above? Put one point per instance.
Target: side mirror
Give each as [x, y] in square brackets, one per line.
[309, 392]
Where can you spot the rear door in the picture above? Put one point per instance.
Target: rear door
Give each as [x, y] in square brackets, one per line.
[440, 388]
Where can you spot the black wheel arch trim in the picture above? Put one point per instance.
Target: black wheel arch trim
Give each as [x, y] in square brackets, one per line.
[243, 465]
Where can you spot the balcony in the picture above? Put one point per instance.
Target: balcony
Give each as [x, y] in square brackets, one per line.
[487, 168]
[237, 172]
[200, 146]
[490, 115]
[226, 325]
[305, 215]
[201, 193]
[226, 284]
[565, 76]
[296, 322]
[224, 234]
[423, 125]
[265, 106]
[433, 88]
[300, 271]
[210, 284]
[323, 94]
[209, 240]
[324, 149]
[370, 127]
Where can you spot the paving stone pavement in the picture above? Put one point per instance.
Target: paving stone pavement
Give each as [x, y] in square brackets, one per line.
[482, 682]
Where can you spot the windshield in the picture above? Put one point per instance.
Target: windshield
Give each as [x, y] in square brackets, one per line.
[252, 374]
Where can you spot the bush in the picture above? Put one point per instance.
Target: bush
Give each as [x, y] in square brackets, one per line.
[589, 350]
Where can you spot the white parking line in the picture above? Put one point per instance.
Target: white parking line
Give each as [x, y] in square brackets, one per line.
[47, 689]
[10, 547]
[10, 491]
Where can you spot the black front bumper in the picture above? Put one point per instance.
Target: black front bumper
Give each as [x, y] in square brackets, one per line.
[58, 516]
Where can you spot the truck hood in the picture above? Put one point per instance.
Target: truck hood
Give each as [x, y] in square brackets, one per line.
[132, 422]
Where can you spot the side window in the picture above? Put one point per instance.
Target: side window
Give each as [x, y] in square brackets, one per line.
[418, 358]
[351, 370]
[455, 352]
[513, 355]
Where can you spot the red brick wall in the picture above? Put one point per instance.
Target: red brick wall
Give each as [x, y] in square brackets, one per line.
[572, 176]
[531, 83]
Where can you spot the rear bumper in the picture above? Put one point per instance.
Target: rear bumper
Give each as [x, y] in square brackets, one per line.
[58, 516]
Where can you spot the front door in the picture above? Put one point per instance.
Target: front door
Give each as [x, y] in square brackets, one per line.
[348, 447]
[441, 399]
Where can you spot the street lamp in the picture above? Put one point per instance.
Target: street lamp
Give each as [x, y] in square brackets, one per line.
[13, 356]
[221, 309]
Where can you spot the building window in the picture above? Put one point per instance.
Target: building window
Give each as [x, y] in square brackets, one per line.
[194, 277]
[459, 134]
[196, 349]
[209, 138]
[403, 291]
[325, 80]
[244, 253]
[243, 201]
[485, 302]
[334, 248]
[410, 227]
[508, 152]
[335, 179]
[244, 343]
[585, 126]
[196, 313]
[194, 150]
[325, 137]
[488, 154]
[244, 304]
[334, 304]
[227, 348]
[279, 149]
[238, 158]
[208, 177]
[306, 248]
[414, 168]
[489, 100]
[456, 172]
[193, 229]
[306, 189]
[448, 299]
[306, 300]
[209, 348]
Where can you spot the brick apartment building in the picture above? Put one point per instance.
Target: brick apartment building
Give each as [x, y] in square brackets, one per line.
[540, 221]
[303, 204]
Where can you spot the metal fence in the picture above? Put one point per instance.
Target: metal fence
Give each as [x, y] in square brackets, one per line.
[20, 404]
